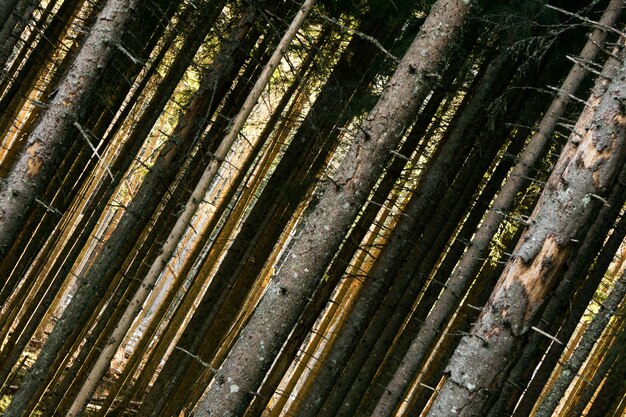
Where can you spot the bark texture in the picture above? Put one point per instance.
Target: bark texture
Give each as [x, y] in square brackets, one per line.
[584, 173]
[326, 225]
[47, 142]
[581, 353]
[471, 259]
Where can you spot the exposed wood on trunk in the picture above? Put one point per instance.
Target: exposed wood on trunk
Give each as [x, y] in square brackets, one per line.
[586, 169]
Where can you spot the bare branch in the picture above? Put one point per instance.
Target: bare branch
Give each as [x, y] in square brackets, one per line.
[85, 135]
[593, 23]
[361, 35]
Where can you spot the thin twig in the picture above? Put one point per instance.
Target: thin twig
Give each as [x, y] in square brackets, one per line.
[198, 358]
[85, 135]
[584, 65]
[549, 336]
[586, 20]
[130, 56]
[362, 36]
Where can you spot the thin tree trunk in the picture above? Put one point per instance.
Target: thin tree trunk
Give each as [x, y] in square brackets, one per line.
[471, 259]
[325, 227]
[448, 159]
[586, 169]
[607, 369]
[286, 188]
[614, 386]
[46, 143]
[582, 351]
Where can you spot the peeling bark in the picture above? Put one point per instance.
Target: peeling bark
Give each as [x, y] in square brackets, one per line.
[585, 171]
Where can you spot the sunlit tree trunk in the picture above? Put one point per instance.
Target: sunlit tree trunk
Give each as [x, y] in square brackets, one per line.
[584, 347]
[48, 140]
[613, 386]
[586, 169]
[326, 225]
[285, 189]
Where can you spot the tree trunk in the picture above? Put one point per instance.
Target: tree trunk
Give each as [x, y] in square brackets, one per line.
[586, 169]
[278, 310]
[427, 203]
[46, 143]
[580, 354]
[471, 259]
[6, 8]
[285, 189]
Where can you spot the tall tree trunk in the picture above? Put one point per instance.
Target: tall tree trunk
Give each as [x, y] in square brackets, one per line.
[6, 8]
[45, 145]
[47, 142]
[580, 354]
[447, 159]
[585, 171]
[552, 320]
[614, 385]
[326, 225]
[286, 188]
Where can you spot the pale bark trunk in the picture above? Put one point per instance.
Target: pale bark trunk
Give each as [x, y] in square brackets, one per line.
[585, 171]
[326, 225]
[183, 221]
[180, 227]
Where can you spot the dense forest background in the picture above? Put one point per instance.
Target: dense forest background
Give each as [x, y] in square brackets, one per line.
[334, 208]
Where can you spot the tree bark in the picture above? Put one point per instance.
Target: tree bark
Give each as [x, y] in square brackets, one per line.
[47, 142]
[580, 354]
[6, 8]
[586, 169]
[288, 186]
[325, 226]
[471, 259]
[428, 202]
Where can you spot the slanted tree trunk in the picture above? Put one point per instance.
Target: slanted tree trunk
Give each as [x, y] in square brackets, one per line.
[603, 373]
[580, 354]
[471, 259]
[585, 171]
[614, 385]
[552, 320]
[449, 158]
[47, 142]
[285, 189]
[6, 8]
[326, 225]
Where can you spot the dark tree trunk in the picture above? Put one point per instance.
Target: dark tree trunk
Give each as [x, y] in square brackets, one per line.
[586, 169]
[325, 227]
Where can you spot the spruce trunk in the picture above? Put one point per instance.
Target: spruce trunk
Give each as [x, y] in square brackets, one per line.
[327, 224]
[585, 171]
